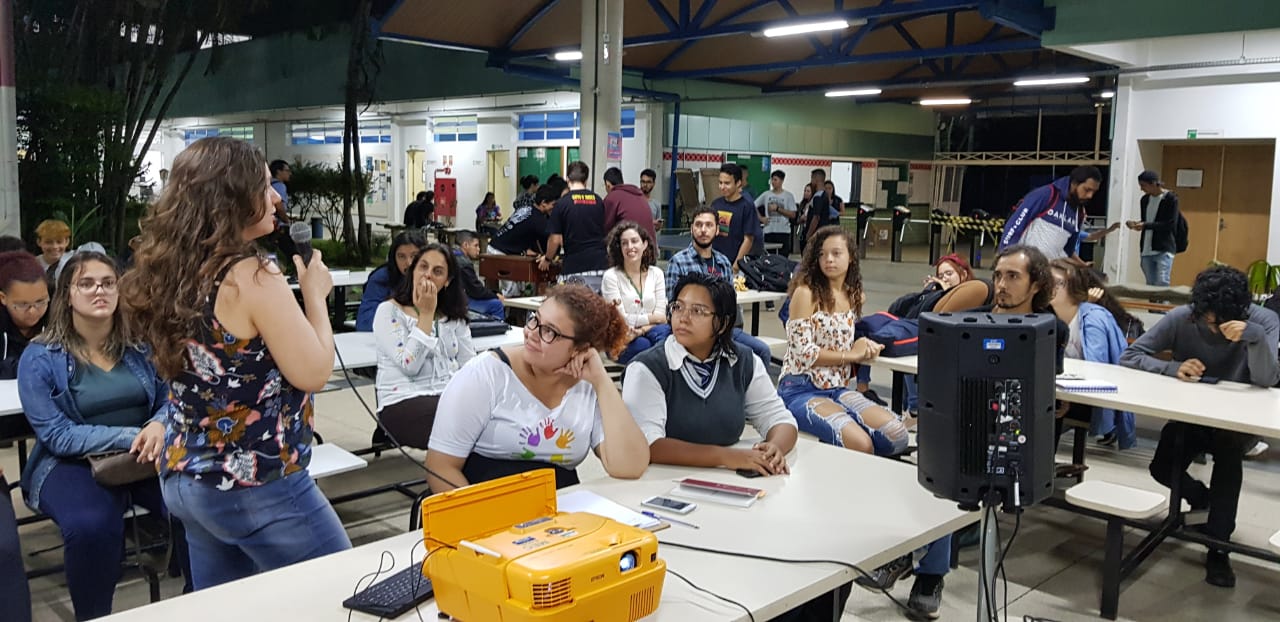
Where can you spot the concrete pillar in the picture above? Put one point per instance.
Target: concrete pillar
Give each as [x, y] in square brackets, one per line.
[601, 108]
[9, 224]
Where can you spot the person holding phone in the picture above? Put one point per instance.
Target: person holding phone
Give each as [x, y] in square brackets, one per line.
[1222, 334]
[242, 360]
[692, 393]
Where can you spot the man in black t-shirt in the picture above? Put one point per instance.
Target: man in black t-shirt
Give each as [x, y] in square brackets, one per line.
[577, 225]
[525, 232]
[418, 213]
[739, 225]
[819, 206]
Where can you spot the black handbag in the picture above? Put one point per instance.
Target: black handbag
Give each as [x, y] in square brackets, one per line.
[118, 468]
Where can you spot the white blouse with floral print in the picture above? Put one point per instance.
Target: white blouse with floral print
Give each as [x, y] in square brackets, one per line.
[806, 337]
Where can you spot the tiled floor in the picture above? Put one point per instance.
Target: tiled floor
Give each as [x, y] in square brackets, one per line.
[1053, 569]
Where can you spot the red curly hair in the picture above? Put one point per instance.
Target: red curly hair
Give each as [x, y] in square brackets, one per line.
[595, 322]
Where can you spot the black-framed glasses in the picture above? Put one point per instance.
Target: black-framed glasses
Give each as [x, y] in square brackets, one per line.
[546, 333]
[89, 286]
[698, 312]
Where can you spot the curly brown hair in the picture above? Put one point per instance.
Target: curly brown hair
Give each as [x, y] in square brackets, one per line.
[809, 273]
[613, 242]
[596, 323]
[217, 186]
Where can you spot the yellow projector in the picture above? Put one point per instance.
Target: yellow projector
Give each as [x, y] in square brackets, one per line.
[499, 551]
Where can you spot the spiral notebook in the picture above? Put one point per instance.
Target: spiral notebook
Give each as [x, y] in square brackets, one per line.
[1076, 384]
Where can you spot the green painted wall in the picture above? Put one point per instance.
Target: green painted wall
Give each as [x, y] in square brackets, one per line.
[822, 111]
[293, 71]
[737, 134]
[1094, 21]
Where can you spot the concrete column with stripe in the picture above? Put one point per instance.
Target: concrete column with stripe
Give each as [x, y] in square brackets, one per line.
[9, 224]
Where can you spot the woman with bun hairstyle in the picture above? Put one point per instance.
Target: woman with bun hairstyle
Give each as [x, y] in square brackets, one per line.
[542, 404]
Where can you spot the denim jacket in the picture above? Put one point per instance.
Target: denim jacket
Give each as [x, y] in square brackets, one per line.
[61, 433]
[1104, 342]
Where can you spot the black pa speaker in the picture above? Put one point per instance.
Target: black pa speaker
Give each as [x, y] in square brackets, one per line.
[986, 407]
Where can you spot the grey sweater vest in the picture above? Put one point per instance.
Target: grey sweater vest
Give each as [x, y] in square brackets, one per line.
[716, 420]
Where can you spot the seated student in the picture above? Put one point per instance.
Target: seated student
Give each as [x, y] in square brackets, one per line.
[423, 338]
[636, 287]
[826, 301]
[86, 389]
[54, 237]
[24, 299]
[480, 298]
[702, 257]
[542, 404]
[385, 280]
[692, 395]
[488, 215]
[822, 349]
[1223, 335]
[15, 596]
[1092, 336]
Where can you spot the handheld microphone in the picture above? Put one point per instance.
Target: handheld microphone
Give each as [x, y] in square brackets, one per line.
[300, 232]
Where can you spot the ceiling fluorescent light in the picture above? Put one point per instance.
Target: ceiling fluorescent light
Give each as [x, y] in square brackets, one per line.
[1052, 81]
[808, 27]
[568, 56]
[1107, 94]
[947, 101]
[853, 92]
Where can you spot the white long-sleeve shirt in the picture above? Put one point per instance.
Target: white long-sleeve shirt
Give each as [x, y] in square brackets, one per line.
[412, 363]
[635, 305]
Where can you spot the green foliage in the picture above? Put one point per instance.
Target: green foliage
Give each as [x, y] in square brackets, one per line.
[316, 191]
[338, 255]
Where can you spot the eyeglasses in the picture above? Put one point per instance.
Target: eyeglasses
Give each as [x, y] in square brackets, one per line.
[698, 312]
[88, 286]
[23, 307]
[546, 333]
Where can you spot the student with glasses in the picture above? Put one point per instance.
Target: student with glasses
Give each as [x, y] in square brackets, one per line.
[693, 392]
[87, 387]
[542, 404]
[24, 299]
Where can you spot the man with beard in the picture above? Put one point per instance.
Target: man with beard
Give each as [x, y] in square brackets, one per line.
[701, 256]
[1049, 218]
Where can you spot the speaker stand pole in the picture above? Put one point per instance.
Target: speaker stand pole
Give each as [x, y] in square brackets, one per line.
[986, 576]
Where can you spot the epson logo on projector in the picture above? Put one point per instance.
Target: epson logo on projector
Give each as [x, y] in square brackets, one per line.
[992, 344]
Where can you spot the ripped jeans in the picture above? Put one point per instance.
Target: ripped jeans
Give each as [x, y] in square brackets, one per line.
[802, 398]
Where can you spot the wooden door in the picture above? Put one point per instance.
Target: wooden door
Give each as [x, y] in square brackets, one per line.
[1199, 205]
[1245, 207]
[501, 183]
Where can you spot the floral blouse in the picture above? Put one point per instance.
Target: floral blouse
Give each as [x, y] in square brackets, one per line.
[820, 331]
[235, 420]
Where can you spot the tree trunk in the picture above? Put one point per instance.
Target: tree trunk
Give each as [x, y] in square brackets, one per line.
[351, 133]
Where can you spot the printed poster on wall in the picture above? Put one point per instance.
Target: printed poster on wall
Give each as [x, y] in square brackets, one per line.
[613, 152]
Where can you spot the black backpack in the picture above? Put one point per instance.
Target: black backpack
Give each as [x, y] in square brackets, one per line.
[1180, 234]
[767, 273]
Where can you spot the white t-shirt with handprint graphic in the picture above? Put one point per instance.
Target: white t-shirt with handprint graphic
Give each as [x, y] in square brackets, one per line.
[487, 410]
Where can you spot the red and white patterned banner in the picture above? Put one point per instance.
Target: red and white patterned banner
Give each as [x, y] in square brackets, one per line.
[690, 156]
[921, 166]
[815, 162]
[868, 164]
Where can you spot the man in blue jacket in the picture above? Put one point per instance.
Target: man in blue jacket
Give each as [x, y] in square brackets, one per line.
[1050, 217]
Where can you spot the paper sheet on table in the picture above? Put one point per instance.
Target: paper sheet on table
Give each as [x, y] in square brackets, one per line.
[590, 502]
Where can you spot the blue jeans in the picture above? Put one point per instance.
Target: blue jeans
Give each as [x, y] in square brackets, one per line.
[744, 338]
[936, 557]
[492, 306]
[799, 394]
[15, 597]
[236, 533]
[91, 519]
[1157, 268]
[651, 339]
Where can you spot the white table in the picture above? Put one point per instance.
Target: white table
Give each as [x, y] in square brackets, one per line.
[356, 349]
[811, 513]
[1226, 405]
[9, 402]
[329, 459]
[342, 279]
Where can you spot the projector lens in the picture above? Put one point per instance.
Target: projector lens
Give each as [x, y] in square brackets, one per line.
[628, 562]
